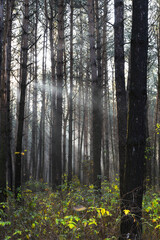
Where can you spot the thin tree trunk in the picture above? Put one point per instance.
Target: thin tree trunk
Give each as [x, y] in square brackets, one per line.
[43, 110]
[3, 116]
[8, 71]
[23, 85]
[70, 96]
[53, 105]
[34, 119]
[106, 112]
[58, 120]
[158, 90]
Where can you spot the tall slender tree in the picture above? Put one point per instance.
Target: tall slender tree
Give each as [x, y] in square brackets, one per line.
[3, 115]
[70, 96]
[53, 104]
[96, 99]
[21, 107]
[106, 93]
[9, 22]
[60, 73]
[120, 86]
[34, 119]
[43, 108]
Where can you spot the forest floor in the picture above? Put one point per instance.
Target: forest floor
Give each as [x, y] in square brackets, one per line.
[74, 213]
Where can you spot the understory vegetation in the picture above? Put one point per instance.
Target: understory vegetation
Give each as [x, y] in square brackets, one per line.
[74, 212]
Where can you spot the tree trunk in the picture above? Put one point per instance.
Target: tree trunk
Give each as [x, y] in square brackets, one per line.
[96, 100]
[131, 227]
[43, 110]
[106, 103]
[158, 90]
[120, 87]
[3, 116]
[53, 104]
[70, 96]
[34, 118]
[23, 84]
[58, 120]
[8, 71]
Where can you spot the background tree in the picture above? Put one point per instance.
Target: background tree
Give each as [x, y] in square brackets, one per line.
[3, 114]
[23, 85]
[70, 96]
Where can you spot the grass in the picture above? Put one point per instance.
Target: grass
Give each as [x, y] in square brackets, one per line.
[74, 213]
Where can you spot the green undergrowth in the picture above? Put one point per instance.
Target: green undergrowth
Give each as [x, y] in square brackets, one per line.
[75, 212]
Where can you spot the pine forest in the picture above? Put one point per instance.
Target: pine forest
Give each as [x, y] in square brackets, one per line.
[79, 119]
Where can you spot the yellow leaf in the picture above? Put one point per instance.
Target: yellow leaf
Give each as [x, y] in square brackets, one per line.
[71, 225]
[17, 153]
[92, 221]
[158, 226]
[107, 212]
[103, 211]
[85, 224]
[126, 211]
[33, 225]
[91, 186]
[22, 153]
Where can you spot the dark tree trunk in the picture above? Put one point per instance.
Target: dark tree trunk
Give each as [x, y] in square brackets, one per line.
[70, 96]
[34, 119]
[3, 116]
[43, 110]
[23, 84]
[58, 119]
[96, 100]
[158, 89]
[120, 87]
[53, 111]
[8, 71]
[5, 60]
[136, 138]
[105, 98]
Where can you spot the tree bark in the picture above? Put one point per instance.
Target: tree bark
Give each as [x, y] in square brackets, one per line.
[96, 100]
[120, 87]
[8, 71]
[60, 73]
[34, 118]
[43, 109]
[70, 96]
[23, 85]
[136, 137]
[3, 115]
[106, 103]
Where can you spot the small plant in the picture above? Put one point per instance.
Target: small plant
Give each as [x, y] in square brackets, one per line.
[75, 212]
